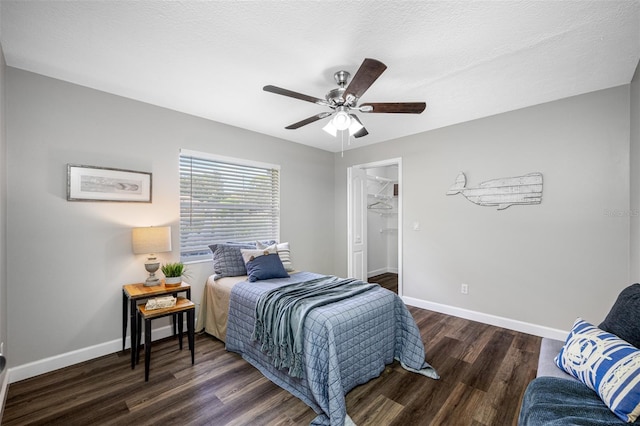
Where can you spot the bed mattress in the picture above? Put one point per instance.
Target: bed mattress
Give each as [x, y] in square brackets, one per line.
[214, 310]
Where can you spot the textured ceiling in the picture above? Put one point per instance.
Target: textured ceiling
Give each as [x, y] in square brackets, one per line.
[466, 59]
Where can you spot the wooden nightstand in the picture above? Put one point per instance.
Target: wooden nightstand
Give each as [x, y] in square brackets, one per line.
[182, 306]
[132, 293]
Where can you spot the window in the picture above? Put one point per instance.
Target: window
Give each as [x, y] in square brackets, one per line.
[225, 199]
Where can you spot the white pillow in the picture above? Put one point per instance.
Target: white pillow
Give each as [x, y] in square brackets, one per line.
[250, 254]
[283, 251]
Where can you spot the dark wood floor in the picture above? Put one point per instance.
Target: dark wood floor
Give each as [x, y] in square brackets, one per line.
[387, 280]
[484, 371]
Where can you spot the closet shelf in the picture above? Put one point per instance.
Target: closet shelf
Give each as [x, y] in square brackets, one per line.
[383, 185]
[381, 196]
[380, 179]
[388, 230]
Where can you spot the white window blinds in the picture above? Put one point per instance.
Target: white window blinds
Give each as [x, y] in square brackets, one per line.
[224, 200]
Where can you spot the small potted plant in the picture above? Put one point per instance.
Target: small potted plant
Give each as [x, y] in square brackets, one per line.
[173, 273]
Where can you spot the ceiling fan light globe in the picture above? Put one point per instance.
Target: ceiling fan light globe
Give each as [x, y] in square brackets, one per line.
[341, 121]
[330, 128]
[355, 127]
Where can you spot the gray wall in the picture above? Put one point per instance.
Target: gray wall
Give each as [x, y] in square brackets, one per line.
[634, 213]
[3, 217]
[544, 264]
[68, 260]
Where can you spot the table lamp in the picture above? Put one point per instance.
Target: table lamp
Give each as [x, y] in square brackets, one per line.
[151, 240]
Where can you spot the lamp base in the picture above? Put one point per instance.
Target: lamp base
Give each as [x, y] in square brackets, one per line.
[151, 265]
[150, 282]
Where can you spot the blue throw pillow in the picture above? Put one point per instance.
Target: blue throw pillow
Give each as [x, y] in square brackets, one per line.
[266, 267]
[606, 364]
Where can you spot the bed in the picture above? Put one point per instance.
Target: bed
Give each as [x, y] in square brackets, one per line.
[345, 343]
[350, 342]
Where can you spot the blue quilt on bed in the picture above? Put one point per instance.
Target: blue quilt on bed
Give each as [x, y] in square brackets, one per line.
[345, 343]
[281, 312]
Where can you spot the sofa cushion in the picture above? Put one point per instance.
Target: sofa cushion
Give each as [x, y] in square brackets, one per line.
[623, 319]
[606, 364]
[560, 402]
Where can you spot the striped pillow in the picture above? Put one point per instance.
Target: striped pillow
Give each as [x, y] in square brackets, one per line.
[283, 251]
[605, 363]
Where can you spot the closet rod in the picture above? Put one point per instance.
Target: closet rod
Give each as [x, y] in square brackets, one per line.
[380, 178]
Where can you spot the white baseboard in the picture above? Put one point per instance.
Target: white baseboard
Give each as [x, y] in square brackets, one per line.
[376, 272]
[32, 369]
[381, 271]
[511, 324]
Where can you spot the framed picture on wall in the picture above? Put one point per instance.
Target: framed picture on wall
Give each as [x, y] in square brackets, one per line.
[90, 183]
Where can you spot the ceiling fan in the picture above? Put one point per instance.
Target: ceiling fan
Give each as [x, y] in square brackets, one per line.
[344, 100]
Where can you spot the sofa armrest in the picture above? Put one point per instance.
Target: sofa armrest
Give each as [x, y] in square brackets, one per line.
[549, 348]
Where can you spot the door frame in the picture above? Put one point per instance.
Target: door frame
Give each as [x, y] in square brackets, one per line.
[382, 163]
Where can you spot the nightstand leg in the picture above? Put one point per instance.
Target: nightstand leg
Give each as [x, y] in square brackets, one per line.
[132, 319]
[138, 336]
[190, 332]
[173, 323]
[125, 299]
[147, 348]
[179, 318]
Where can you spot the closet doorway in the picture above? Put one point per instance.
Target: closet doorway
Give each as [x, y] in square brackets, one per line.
[374, 211]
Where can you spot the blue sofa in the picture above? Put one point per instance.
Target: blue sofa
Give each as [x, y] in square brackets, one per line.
[555, 398]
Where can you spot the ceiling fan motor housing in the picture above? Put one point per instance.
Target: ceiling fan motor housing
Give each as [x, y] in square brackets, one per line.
[335, 97]
[342, 77]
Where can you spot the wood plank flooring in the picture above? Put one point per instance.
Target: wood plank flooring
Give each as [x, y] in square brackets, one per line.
[484, 371]
[387, 280]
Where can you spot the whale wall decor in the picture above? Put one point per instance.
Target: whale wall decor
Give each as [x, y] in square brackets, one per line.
[503, 192]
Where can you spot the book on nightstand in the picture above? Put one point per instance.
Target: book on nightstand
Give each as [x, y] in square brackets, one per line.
[160, 302]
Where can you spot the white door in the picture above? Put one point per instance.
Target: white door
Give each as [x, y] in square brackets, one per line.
[357, 227]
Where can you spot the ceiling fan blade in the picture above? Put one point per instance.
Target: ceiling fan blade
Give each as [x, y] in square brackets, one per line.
[308, 120]
[394, 107]
[368, 72]
[362, 132]
[292, 94]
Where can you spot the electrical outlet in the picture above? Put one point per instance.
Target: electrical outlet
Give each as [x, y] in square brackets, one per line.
[464, 288]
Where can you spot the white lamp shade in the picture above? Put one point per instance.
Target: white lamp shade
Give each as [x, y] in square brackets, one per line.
[152, 239]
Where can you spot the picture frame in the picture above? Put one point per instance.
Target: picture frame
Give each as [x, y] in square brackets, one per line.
[92, 183]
